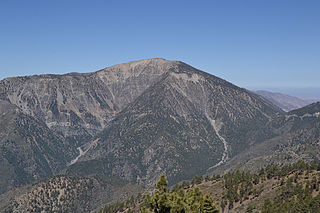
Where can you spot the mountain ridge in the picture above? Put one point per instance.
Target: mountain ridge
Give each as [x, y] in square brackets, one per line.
[285, 102]
[66, 102]
[138, 120]
[79, 107]
[28, 149]
[182, 93]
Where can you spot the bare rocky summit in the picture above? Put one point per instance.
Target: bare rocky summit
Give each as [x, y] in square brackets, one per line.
[79, 106]
[185, 123]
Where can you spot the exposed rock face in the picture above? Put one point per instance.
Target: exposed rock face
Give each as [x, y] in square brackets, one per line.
[299, 139]
[187, 122]
[143, 118]
[80, 105]
[29, 150]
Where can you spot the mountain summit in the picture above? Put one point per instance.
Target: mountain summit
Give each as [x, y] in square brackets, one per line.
[79, 106]
[182, 122]
[134, 121]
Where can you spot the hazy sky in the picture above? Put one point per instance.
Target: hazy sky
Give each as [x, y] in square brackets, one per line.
[258, 43]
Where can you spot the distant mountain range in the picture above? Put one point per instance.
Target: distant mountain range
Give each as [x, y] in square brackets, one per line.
[286, 102]
[137, 120]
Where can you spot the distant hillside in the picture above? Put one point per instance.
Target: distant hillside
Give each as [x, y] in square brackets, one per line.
[285, 102]
[67, 194]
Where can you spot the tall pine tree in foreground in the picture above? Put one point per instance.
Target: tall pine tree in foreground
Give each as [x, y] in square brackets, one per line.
[192, 200]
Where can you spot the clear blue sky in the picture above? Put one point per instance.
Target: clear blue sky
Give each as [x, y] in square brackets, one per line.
[257, 43]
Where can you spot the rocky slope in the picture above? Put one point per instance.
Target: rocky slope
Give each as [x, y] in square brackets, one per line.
[299, 139]
[29, 150]
[80, 105]
[143, 118]
[184, 124]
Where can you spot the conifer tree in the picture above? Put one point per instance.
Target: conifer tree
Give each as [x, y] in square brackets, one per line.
[190, 201]
[208, 205]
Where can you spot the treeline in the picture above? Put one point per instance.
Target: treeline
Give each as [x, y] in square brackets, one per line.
[298, 193]
[164, 200]
[243, 185]
[127, 205]
[297, 190]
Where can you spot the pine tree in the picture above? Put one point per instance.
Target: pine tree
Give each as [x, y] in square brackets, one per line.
[208, 205]
[190, 201]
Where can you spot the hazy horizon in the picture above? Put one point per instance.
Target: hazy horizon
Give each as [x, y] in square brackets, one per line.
[303, 92]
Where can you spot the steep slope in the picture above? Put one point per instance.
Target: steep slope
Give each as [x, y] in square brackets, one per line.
[67, 194]
[28, 149]
[186, 123]
[80, 105]
[311, 110]
[285, 102]
[299, 139]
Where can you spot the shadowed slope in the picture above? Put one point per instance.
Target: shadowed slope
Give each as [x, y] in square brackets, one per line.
[28, 149]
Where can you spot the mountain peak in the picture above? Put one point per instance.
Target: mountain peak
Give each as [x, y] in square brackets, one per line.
[155, 62]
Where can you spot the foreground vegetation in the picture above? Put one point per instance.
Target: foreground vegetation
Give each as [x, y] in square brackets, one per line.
[67, 194]
[181, 201]
[289, 188]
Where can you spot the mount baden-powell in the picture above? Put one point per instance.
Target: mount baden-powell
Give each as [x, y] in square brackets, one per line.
[144, 118]
[133, 121]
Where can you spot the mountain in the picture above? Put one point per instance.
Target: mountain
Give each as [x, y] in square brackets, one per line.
[285, 102]
[298, 139]
[140, 119]
[185, 123]
[134, 122]
[44, 119]
[80, 105]
[28, 149]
